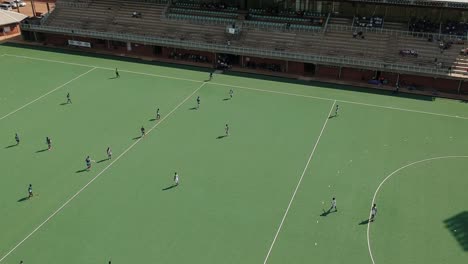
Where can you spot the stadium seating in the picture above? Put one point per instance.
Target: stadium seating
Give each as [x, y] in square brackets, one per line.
[379, 45]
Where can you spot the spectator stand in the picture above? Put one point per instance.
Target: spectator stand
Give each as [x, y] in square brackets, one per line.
[282, 20]
[202, 13]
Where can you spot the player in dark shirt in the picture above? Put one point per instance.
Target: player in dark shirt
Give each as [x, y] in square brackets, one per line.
[49, 143]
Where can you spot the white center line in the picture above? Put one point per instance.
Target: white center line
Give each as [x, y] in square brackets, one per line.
[49, 92]
[248, 88]
[99, 174]
[299, 183]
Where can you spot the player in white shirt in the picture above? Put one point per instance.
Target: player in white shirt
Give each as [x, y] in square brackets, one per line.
[109, 153]
[373, 212]
[176, 179]
[333, 205]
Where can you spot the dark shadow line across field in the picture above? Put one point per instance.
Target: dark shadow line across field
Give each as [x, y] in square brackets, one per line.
[170, 187]
[11, 146]
[63, 103]
[23, 199]
[111, 78]
[80, 171]
[135, 138]
[152, 119]
[332, 116]
[226, 99]
[193, 108]
[458, 227]
[221, 137]
[42, 150]
[364, 222]
[103, 160]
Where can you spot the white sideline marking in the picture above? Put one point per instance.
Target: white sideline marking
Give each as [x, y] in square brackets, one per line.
[298, 184]
[384, 180]
[248, 88]
[404, 109]
[99, 174]
[105, 68]
[49, 92]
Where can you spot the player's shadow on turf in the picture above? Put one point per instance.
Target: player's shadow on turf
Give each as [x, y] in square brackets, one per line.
[111, 78]
[364, 222]
[226, 99]
[220, 137]
[63, 103]
[152, 119]
[325, 213]
[332, 116]
[42, 150]
[23, 199]
[170, 187]
[103, 160]
[11, 146]
[193, 108]
[80, 171]
[457, 225]
[135, 138]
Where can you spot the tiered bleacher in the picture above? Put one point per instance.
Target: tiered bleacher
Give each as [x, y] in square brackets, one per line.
[373, 21]
[203, 12]
[338, 40]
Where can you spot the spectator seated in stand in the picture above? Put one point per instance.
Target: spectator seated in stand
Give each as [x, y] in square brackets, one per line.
[373, 21]
[423, 25]
[408, 52]
[136, 14]
[265, 66]
[189, 57]
[223, 63]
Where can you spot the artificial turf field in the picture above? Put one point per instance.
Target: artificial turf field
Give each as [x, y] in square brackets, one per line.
[256, 196]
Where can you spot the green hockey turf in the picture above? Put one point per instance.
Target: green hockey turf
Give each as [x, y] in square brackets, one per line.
[259, 195]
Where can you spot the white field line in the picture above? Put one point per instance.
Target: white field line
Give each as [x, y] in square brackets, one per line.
[388, 177]
[104, 68]
[97, 176]
[253, 89]
[298, 184]
[404, 109]
[49, 92]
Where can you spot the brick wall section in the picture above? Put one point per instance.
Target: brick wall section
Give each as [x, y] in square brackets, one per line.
[390, 76]
[356, 74]
[327, 71]
[296, 67]
[464, 88]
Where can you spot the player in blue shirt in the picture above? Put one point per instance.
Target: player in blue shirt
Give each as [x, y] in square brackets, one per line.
[88, 163]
